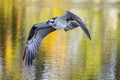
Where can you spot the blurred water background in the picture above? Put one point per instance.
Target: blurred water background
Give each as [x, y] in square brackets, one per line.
[62, 55]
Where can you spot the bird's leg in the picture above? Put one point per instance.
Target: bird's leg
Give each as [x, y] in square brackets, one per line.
[71, 25]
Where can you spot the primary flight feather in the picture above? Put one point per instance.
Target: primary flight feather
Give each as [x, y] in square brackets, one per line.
[67, 21]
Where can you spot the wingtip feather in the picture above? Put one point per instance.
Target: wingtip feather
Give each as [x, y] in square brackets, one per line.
[24, 54]
[27, 57]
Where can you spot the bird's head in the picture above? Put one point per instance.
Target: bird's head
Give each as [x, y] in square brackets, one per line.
[51, 21]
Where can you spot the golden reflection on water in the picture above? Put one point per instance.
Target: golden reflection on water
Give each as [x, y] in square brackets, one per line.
[62, 55]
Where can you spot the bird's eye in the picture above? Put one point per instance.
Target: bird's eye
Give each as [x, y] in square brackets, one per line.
[51, 20]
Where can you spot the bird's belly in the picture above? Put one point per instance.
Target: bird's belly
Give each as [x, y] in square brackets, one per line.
[61, 23]
[60, 26]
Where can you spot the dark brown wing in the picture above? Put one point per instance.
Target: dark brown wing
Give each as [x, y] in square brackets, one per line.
[37, 33]
[79, 21]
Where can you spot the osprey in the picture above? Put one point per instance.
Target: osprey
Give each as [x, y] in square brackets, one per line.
[67, 21]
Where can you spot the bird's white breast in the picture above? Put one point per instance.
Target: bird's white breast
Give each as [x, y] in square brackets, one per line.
[60, 23]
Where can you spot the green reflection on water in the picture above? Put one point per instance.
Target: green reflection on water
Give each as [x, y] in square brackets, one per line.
[118, 45]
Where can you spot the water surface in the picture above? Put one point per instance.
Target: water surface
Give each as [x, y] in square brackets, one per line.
[62, 55]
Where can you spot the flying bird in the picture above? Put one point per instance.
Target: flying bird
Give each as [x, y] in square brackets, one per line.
[67, 21]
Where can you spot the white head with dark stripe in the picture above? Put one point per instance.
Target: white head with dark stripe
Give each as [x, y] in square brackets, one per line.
[51, 21]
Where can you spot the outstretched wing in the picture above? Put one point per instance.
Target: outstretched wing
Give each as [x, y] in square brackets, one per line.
[37, 33]
[79, 21]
